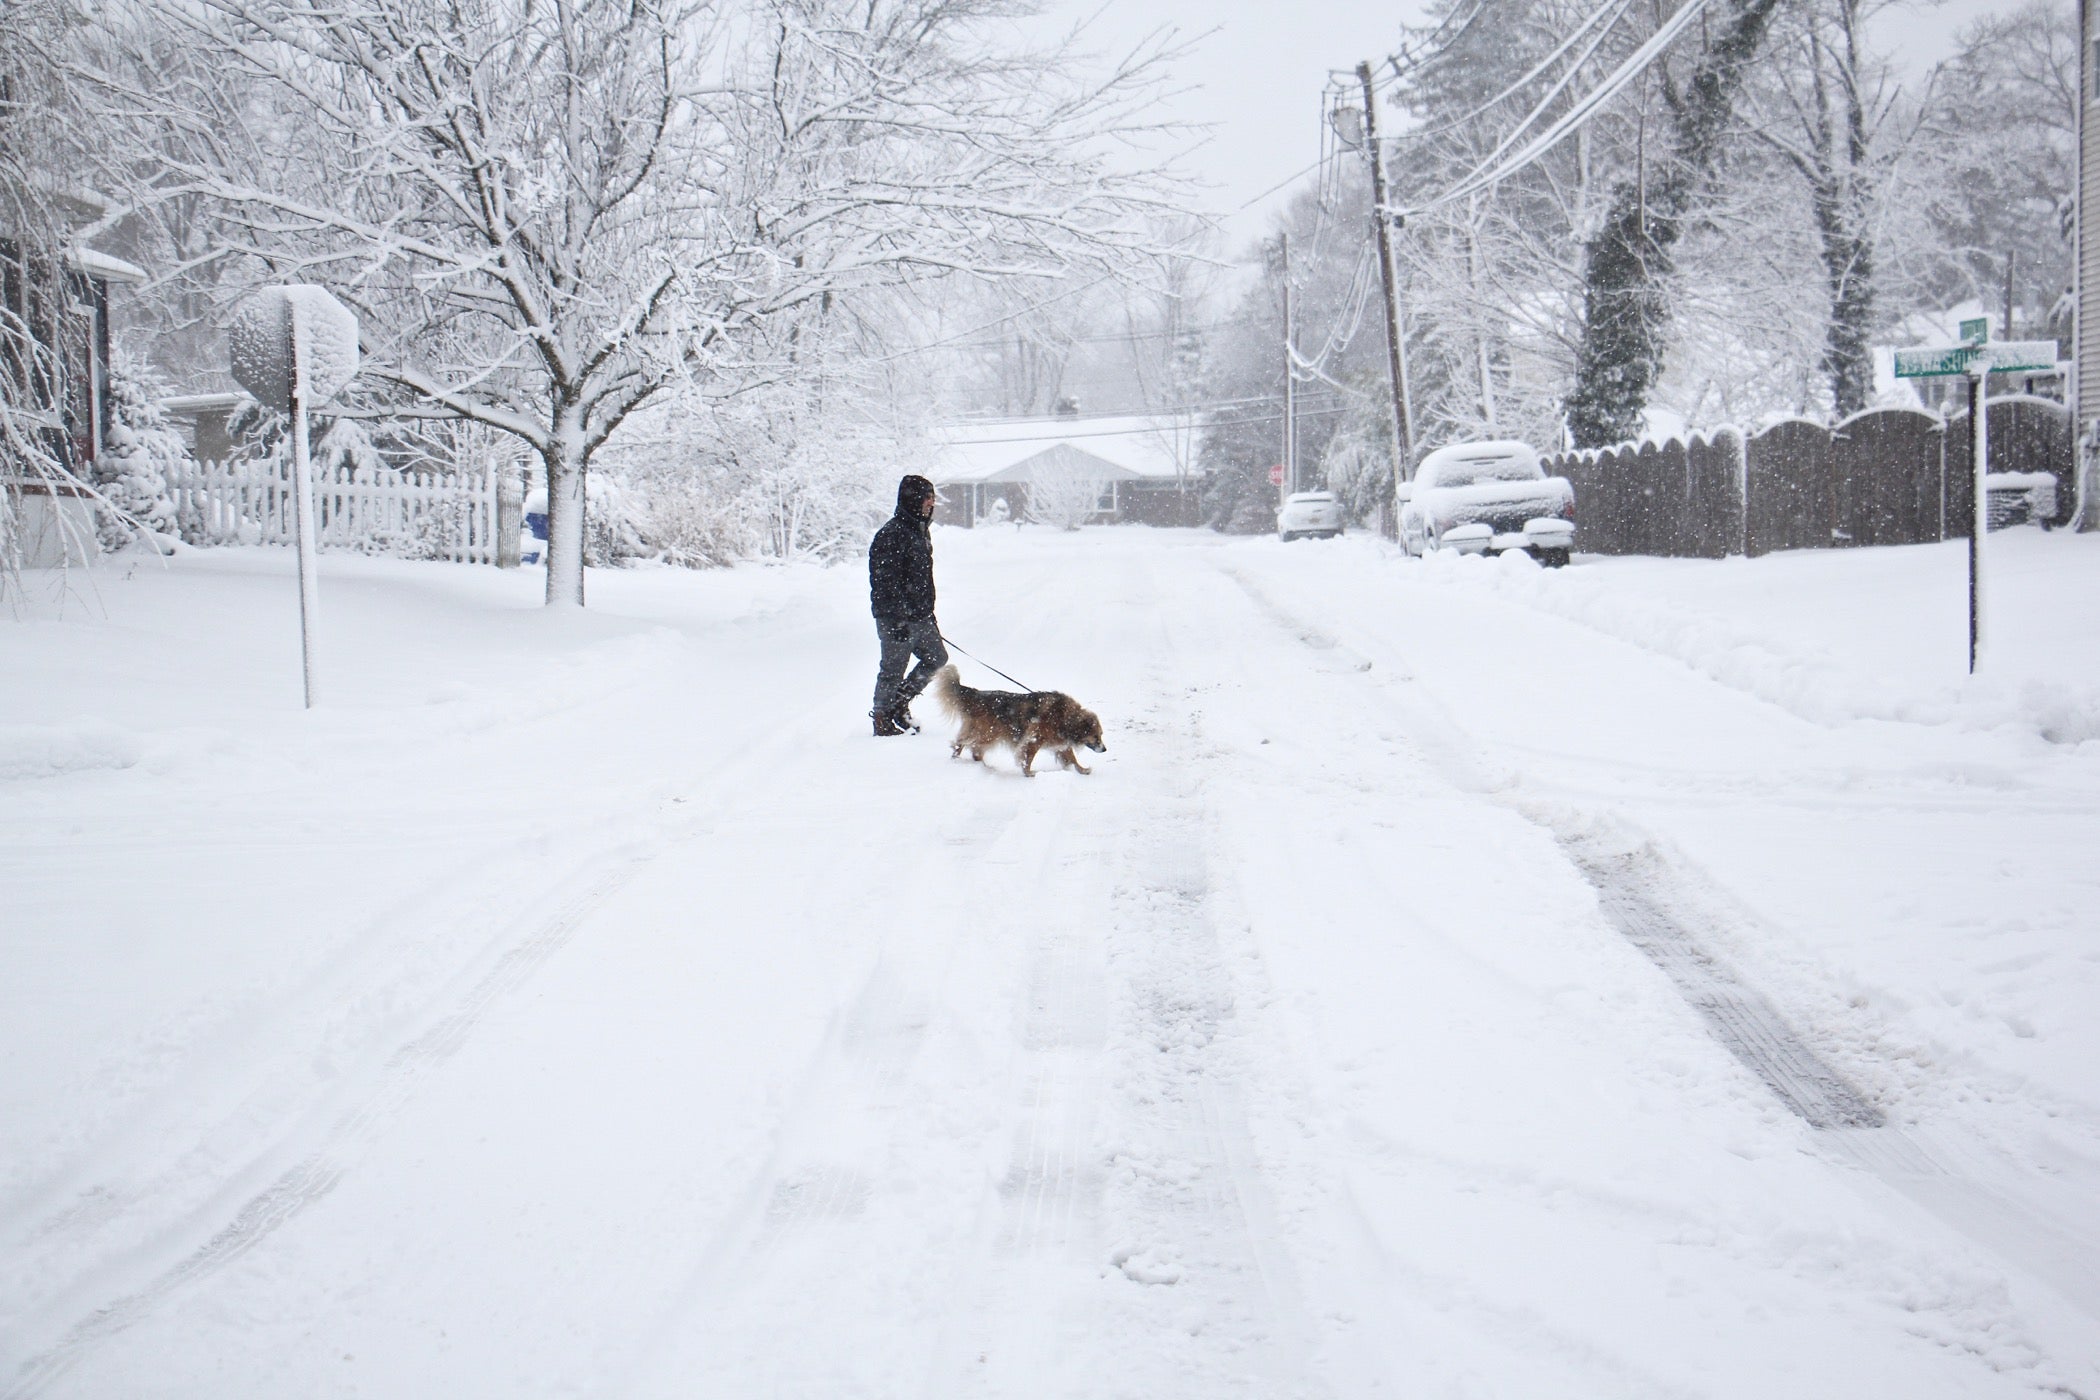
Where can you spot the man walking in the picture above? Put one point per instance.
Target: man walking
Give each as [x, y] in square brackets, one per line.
[900, 590]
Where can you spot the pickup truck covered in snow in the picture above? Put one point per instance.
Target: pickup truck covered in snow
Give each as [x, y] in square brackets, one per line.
[1487, 497]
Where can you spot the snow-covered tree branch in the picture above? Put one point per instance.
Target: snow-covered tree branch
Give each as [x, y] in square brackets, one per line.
[549, 216]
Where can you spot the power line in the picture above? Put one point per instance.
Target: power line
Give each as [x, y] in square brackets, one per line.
[1433, 47]
[1620, 6]
[1578, 116]
[1561, 85]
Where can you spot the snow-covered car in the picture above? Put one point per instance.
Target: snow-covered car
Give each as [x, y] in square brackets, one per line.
[1485, 498]
[1309, 513]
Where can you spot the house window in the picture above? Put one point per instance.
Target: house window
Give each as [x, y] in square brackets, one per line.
[1106, 502]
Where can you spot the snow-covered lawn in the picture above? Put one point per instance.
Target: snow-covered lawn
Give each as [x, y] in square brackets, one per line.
[1429, 993]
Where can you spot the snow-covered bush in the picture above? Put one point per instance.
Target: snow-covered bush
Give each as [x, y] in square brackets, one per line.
[1064, 496]
[769, 475]
[611, 532]
[1358, 467]
[690, 517]
[132, 470]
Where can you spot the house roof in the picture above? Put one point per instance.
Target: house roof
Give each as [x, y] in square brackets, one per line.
[1124, 448]
[188, 405]
[95, 263]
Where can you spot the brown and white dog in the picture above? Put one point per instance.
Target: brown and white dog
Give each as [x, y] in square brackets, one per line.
[1027, 722]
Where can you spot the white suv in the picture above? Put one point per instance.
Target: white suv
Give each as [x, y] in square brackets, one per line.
[1309, 513]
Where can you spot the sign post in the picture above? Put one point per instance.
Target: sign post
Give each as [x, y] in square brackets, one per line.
[1976, 359]
[293, 347]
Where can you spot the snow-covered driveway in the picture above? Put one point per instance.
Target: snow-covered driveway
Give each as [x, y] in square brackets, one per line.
[1453, 981]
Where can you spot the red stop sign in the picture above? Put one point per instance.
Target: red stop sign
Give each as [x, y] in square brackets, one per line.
[1276, 475]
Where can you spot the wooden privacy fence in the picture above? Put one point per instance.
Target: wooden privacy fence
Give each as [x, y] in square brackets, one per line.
[463, 517]
[1887, 476]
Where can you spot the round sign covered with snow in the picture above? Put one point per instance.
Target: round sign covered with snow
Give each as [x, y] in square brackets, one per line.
[268, 323]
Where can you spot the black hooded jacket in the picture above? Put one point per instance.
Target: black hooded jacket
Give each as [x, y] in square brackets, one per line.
[900, 561]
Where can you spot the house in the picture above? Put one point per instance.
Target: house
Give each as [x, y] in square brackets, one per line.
[62, 296]
[1069, 469]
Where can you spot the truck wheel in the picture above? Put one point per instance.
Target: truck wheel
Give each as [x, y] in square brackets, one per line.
[1554, 558]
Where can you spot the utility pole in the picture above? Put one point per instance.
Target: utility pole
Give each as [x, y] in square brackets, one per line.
[1395, 343]
[1290, 388]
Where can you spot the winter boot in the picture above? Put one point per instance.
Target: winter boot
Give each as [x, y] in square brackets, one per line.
[900, 715]
[885, 726]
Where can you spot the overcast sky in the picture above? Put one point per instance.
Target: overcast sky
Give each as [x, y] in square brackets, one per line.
[1256, 77]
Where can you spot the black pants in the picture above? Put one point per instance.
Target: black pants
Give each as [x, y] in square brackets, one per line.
[900, 642]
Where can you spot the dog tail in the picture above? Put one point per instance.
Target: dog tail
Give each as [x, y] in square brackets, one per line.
[947, 684]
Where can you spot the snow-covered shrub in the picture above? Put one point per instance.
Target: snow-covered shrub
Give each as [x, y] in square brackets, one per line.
[824, 506]
[1065, 497]
[766, 476]
[132, 470]
[690, 516]
[611, 532]
[1358, 468]
[442, 529]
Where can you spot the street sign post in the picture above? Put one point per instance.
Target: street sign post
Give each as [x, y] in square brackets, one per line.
[1976, 358]
[293, 347]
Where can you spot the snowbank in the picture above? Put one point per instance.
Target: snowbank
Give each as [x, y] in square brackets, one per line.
[47, 750]
[1841, 636]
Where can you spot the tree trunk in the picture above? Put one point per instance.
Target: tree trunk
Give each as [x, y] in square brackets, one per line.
[1848, 355]
[563, 455]
[1841, 221]
[1625, 311]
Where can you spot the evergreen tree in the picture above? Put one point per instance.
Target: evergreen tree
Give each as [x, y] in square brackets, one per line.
[132, 471]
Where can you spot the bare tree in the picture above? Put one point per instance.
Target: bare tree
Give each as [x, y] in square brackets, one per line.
[1064, 494]
[1834, 106]
[2001, 131]
[551, 215]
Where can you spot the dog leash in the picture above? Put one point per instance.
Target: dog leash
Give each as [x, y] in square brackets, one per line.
[986, 664]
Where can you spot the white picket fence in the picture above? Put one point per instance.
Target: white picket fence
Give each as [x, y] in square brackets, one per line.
[424, 515]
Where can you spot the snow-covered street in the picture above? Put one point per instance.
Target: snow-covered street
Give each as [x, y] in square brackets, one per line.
[1649, 978]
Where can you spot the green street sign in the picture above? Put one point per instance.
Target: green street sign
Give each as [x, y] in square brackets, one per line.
[2003, 357]
[1927, 362]
[1976, 332]
[2017, 356]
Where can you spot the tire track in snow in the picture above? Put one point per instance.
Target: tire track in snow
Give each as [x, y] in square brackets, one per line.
[378, 1101]
[807, 1224]
[1128, 1242]
[1654, 906]
[316, 1174]
[1190, 1219]
[1628, 887]
[1050, 1192]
